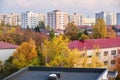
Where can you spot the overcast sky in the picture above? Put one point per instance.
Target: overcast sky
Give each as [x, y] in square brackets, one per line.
[86, 7]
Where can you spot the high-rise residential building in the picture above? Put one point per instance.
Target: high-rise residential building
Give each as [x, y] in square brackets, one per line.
[31, 19]
[10, 19]
[109, 18]
[57, 19]
[76, 18]
[81, 20]
[118, 18]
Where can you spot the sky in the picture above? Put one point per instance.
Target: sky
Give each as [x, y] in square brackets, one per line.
[86, 7]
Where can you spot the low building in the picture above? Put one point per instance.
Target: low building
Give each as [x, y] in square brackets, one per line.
[108, 50]
[6, 50]
[52, 73]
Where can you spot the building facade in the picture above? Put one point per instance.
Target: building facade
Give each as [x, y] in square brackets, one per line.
[108, 50]
[31, 19]
[57, 19]
[109, 18]
[11, 19]
[76, 18]
[118, 18]
[6, 50]
[81, 20]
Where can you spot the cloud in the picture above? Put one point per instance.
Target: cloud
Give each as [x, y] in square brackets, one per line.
[84, 6]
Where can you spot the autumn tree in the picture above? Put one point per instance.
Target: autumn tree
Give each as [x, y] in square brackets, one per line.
[26, 55]
[82, 35]
[57, 53]
[100, 29]
[71, 31]
[111, 33]
[90, 61]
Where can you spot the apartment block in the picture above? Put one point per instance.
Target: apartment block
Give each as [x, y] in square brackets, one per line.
[10, 19]
[76, 18]
[57, 19]
[109, 18]
[118, 18]
[31, 19]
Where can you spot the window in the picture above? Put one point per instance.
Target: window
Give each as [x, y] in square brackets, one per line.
[118, 51]
[105, 62]
[90, 56]
[113, 52]
[113, 61]
[105, 53]
[97, 53]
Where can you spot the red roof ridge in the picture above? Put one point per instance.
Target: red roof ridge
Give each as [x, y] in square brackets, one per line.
[90, 43]
[5, 45]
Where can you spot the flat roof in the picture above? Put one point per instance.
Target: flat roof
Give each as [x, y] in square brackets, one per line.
[42, 73]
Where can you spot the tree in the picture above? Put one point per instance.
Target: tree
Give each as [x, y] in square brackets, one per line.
[91, 61]
[57, 53]
[37, 29]
[41, 25]
[52, 34]
[82, 35]
[26, 55]
[111, 33]
[100, 29]
[71, 31]
[1, 65]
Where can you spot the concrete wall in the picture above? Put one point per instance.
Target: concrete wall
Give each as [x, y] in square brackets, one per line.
[6, 53]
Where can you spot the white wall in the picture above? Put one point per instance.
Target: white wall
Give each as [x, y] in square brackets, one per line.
[6, 53]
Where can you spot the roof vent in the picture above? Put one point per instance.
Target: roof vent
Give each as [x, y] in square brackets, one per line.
[54, 76]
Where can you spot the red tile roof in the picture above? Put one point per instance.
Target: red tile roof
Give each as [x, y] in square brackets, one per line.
[4, 45]
[91, 43]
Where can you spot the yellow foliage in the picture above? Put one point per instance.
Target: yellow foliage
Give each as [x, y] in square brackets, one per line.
[57, 53]
[25, 54]
[100, 29]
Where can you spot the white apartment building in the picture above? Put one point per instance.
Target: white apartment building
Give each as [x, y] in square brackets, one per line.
[10, 19]
[109, 18]
[81, 20]
[76, 18]
[118, 18]
[31, 19]
[57, 19]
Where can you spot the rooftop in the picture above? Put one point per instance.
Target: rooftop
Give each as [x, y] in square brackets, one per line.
[5, 45]
[91, 43]
[42, 73]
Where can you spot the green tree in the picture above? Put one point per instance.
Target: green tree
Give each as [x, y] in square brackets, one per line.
[100, 29]
[52, 34]
[71, 31]
[26, 55]
[82, 35]
[37, 29]
[41, 25]
[1, 65]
